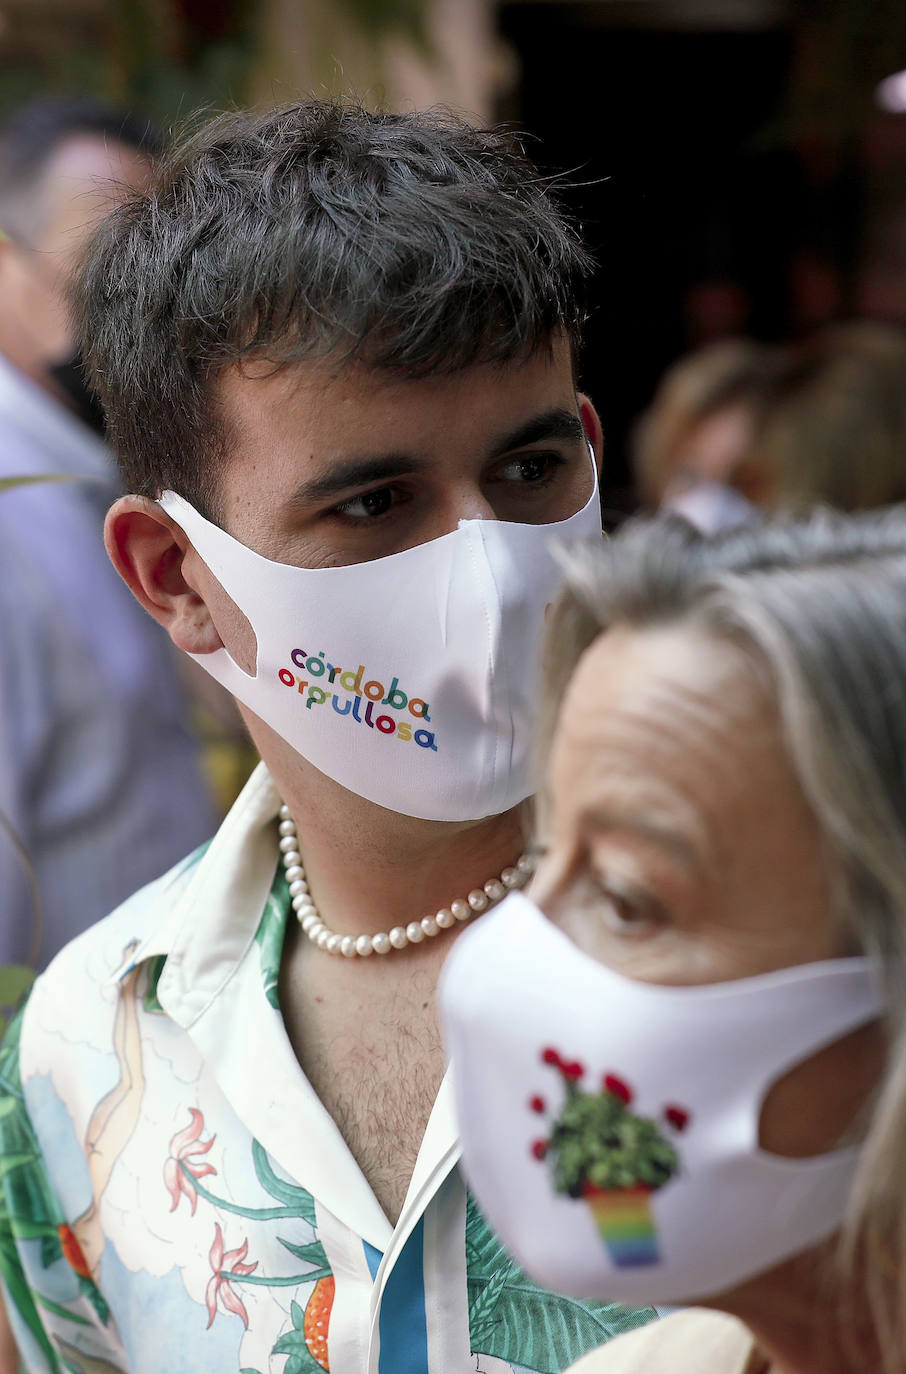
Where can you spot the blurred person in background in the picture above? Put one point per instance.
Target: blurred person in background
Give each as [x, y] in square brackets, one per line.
[707, 1101]
[691, 442]
[834, 431]
[99, 778]
[740, 428]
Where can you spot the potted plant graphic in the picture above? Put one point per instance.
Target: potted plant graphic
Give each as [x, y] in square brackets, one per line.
[611, 1158]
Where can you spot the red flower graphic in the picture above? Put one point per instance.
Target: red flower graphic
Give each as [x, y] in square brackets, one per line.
[219, 1284]
[184, 1163]
[615, 1085]
[678, 1117]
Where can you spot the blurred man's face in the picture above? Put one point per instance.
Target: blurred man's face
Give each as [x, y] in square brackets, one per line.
[83, 180]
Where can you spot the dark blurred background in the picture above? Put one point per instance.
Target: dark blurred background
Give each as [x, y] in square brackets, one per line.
[738, 165]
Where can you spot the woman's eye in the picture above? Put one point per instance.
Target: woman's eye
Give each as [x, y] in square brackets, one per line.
[626, 913]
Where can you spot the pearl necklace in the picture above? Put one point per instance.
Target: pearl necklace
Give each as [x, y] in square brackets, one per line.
[384, 941]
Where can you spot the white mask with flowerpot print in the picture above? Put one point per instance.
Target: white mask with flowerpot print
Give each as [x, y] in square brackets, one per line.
[610, 1127]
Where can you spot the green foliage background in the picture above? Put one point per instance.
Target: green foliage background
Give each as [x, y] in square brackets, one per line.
[170, 58]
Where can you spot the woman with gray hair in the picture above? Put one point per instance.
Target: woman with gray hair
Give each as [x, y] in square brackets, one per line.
[680, 1059]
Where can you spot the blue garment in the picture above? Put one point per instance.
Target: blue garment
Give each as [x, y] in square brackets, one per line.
[99, 776]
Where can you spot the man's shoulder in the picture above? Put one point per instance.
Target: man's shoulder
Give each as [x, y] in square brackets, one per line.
[90, 964]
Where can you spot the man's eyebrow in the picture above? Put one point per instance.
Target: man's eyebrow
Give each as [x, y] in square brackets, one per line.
[356, 472]
[557, 423]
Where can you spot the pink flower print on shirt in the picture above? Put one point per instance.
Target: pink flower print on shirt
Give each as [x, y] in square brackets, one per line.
[184, 1163]
[223, 1266]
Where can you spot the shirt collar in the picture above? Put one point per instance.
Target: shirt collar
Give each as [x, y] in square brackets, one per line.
[205, 934]
[208, 927]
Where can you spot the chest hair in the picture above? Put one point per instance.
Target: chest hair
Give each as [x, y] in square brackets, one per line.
[367, 1039]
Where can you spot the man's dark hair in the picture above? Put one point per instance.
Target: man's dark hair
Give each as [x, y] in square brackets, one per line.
[414, 243]
[31, 135]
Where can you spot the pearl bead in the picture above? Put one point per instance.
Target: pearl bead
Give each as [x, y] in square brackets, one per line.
[383, 942]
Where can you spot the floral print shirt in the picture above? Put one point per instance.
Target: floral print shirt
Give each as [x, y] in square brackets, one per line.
[176, 1199]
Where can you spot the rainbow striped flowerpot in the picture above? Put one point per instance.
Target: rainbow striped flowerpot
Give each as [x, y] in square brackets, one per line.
[625, 1224]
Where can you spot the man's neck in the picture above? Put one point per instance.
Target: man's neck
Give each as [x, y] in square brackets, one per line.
[365, 1030]
[370, 869]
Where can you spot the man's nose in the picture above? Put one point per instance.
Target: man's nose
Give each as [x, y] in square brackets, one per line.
[468, 502]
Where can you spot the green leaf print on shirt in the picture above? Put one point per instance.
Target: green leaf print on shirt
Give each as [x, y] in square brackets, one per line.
[29, 1209]
[270, 933]
[295, 1345]
[150, 999]
[512, 1318]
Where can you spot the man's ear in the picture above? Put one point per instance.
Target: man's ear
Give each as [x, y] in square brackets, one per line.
[160, 567]
[591, 423]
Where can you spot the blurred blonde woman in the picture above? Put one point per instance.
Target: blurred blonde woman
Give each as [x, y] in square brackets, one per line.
[680, 1059]
[835, 430]
[739, 428]
[703, 420]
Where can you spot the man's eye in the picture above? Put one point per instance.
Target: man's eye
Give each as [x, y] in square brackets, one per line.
[530, 468]
[367, 506]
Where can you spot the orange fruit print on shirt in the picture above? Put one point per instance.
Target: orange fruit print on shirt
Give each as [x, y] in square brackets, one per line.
[73, 1251]
[317, 1319]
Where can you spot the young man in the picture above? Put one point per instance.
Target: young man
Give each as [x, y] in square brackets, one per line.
[336, 353]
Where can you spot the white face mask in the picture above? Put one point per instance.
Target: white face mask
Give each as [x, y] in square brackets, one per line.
[411, 680]
[645, 1181]
[711, 507]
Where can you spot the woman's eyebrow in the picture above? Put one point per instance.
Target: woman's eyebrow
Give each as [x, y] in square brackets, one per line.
[650, 826]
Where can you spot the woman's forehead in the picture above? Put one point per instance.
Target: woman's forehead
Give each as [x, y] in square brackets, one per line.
[673, 717]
